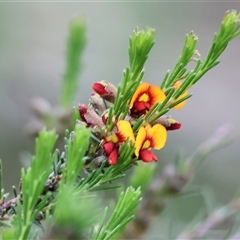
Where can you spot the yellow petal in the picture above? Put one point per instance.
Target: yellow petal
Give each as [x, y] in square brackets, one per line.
[139, 140]
[146, 144]
[112, 138]
[125, 131]
[156, 95]
[159, 136]
[144, 98]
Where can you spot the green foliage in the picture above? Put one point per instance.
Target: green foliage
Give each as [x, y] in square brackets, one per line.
[229, 29]
[188, 51]
[125, 162]
[98, 178]
[75, 212]
[7, 233]
[141, 43]
[75, 47]
[76, 149]
[33, 182]
[122, 214]
[61, 185]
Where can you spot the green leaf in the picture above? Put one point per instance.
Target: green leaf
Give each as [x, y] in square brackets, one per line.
[33, 181]
[141, 43]
[75, 47]
[122, 214]
[189, 49]
[76, 149]
[75, 212]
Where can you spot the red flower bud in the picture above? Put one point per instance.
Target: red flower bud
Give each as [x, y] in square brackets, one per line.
[174, 126]
[169, 123]
[106, 90]
[99, 88]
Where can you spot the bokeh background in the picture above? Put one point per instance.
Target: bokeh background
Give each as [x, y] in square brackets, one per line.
[32, 62]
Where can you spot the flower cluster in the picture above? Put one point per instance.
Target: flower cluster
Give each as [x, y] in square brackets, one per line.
[150, 134]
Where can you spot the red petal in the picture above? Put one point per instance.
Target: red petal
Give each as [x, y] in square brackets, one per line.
[113, 157]
[140, 106]
[108, 147]
[99, 88]
[147, 156]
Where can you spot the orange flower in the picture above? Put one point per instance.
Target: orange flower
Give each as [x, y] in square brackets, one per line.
[147, 138]
[145, 97]
[176, 85]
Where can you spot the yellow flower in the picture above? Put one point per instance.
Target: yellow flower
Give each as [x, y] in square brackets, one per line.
[123, 132]
[147, 138]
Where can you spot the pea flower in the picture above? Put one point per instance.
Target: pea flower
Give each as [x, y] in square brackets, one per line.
[147, 138]
[144, 98]
[123, 132]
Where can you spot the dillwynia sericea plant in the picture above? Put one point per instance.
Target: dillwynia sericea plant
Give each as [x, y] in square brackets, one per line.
[117, 130]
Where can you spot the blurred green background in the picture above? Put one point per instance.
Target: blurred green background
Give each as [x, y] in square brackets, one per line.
[32, 62]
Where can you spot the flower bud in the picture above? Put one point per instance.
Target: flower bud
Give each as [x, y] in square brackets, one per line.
[168, 122]
[90, 117]
[106, 90]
